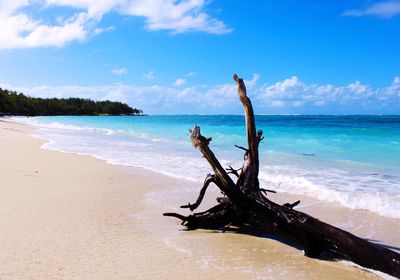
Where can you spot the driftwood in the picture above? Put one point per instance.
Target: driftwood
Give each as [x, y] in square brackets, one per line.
[246, 207]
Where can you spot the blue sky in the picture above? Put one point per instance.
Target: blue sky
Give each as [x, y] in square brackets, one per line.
[167, 57]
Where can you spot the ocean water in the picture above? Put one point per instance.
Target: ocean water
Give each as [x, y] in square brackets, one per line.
[353, 160]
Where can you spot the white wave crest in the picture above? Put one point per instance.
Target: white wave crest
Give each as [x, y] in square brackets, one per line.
[349, 189]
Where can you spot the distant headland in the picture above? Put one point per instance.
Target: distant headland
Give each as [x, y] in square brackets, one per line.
[18, 104]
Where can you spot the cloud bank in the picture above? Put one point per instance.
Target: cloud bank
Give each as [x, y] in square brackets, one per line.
[290, 96]
[25, 29]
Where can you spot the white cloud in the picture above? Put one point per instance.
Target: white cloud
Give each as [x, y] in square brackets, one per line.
[252, 83]
[292, 93]
[94, 8]
[25, 31]
[99, 30]
[119, 71]
[288, 96]
[7, 6]
[386, 9]
[176, 16]
[45, 91]
[392, 91]
[278, 103]
[183, 80]
[149, 76]
[180, 82]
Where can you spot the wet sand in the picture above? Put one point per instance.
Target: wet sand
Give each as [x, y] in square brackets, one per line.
[65, 216]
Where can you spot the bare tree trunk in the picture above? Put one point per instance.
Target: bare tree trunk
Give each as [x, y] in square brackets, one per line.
[246, 207]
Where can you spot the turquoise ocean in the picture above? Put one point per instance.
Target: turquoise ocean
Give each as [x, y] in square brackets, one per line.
[352, 160]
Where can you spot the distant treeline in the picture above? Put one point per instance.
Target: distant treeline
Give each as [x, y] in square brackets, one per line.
[13, 103]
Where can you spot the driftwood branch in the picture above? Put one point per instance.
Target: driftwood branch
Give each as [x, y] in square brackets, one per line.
[233, 171]
[246, 207]
[209, 179]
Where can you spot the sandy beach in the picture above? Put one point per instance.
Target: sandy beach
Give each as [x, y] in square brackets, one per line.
[66, 216]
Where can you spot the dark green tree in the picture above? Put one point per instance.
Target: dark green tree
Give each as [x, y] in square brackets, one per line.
[13, 103]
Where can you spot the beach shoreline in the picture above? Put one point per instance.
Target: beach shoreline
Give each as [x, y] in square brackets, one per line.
[66, 216]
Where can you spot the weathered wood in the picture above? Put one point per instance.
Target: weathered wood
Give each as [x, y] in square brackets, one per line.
[246, 207]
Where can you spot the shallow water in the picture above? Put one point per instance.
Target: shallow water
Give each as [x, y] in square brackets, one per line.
[353, 160]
